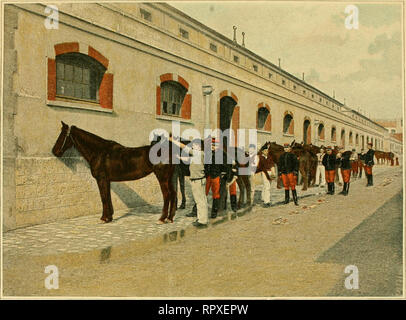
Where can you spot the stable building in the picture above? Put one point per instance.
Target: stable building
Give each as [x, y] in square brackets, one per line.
[121, 70]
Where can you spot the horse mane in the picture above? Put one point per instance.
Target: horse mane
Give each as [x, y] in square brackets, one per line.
[97, 139]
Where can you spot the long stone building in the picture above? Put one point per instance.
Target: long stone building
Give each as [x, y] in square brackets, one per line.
[120, 71]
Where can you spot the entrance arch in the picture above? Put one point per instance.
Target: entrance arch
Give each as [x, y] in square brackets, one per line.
[342, 141]
[307, 138]
[228, 115]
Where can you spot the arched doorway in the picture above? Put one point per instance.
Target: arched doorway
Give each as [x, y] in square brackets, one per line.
[307, 138]
[228, 116]
[342, 141]
[362, 142]
[333, 134]
[320, 131]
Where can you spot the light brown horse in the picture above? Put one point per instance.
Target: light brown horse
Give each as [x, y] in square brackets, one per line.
[110, 161]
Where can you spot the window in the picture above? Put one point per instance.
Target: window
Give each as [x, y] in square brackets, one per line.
[262, 117]
[270, 75]
[213, 47]
[320, 99]
[312, 95]
[304, 91]
[236, 59]
[294, 87]
[288, 124]
[283, 82]
[320, 131]
[146, 15]
[333, 134]
[184, 33]
[78, 76]
[326, 102]
[255, 67]
[172, 96]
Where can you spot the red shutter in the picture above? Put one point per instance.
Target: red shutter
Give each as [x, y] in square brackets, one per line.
[309, 135]
[106, 91]
[186, 109]
[158, 100]
[267, 126]
[291, 127]
[51, 79]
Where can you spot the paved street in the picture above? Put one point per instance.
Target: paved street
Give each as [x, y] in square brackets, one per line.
[280, 251]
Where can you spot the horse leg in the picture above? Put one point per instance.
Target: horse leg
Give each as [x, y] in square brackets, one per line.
[241, 186]
[304, 178]
[104, 189]
[172, 197]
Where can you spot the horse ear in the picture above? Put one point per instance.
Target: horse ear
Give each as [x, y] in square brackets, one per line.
[64, 124]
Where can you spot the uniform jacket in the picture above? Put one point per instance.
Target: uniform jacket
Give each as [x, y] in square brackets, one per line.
[369, 157]
[288, 163]
[345, 162]
[330, 161]
[214, 170]
[320, 157]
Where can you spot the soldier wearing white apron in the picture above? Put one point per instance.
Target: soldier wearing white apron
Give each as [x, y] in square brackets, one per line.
[320, 171]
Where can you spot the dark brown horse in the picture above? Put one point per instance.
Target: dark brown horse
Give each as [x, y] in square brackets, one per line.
[110, 161]
[304, 157]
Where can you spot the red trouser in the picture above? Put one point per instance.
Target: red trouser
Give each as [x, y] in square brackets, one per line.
[330, 175]
[368, 170]
[214, 185]
[346, 173]
[354, 166]
[289, 181]
[233, 189]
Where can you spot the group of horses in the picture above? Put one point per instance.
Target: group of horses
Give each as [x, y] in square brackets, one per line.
[110, 161]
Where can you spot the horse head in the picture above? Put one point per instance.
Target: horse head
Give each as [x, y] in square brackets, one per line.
[64, 141]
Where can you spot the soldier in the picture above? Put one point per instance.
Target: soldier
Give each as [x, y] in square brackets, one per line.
[369, 163]
[354, 163]
[254, 161]
[361, 162]
[344, 157]
[288, 167]
[197, 179]
[329, 163]
[213, 172]
[320, 168]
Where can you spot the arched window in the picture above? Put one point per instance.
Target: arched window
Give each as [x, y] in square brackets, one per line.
[356, 139]
[333, 134]
[172, 98]
[350, 138]
[172, 95]
[78, 76]
[264, 118]
[288, 124]
[320, 131]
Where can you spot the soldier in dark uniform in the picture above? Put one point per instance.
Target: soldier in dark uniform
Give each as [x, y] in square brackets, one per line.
[329, 163]
[369, 163]
[213, 172]
[346, 167]
[288, 168]
[362, 160]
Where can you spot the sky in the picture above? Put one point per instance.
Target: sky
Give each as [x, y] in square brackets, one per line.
[363, 66]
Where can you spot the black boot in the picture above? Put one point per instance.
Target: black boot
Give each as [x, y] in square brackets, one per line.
[215, 208]
[372, 179]
[344, 188]
[286, 197]
[347, 189]
[294, 194]
[369, 179]
[183, 204]
[233, 200]
[193, 213]
[333, 187]
[330, 189]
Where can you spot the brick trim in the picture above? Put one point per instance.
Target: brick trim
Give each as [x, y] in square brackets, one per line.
[51, 79]
[66, 47]
[92, 52]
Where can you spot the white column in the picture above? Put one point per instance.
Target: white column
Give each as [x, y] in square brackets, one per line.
[207, 90]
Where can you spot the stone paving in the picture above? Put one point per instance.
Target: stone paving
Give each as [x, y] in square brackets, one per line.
[87, 233]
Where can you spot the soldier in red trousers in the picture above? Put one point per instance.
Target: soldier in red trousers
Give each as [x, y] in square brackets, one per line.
[345, 157]
[329, 163]
[288, 168]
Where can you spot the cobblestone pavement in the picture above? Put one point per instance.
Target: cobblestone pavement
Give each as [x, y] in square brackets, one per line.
[87, 233]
